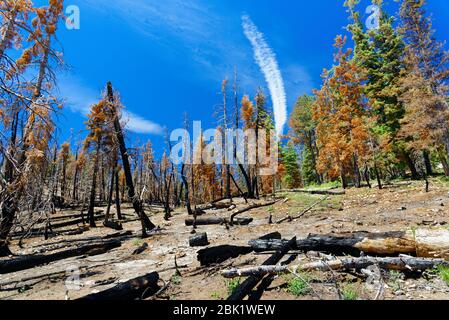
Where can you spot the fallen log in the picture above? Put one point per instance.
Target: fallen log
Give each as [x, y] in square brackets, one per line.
[115, 225]
[138, 288]
[220, 254]
[28, 262]
[329, 192]
[199, 240]
[217, 220]
[419, 243]
[245, 288]
[398, 264]
[251, 207]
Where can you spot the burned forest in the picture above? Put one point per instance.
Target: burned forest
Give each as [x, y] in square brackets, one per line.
[243, 193]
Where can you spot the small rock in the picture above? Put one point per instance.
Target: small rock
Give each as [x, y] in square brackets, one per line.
[402, 209]
[399, 293]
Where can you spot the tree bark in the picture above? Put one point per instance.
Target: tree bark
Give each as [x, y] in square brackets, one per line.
[420, 243]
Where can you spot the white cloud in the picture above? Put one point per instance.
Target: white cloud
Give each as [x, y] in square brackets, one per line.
[79, 99]
[138, 124]
[266, 59]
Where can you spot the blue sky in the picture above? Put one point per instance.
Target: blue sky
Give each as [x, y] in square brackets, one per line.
[169, 57]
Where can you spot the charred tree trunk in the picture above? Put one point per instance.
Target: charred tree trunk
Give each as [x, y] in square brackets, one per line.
[427, 163]
[411, 165]
[75, 179]
[90, 212]
[367, 177]
[117, 195]
[379, 181]
[137, 205]
[111, 194]
[420, 243]
[186, 186]
[138, 288]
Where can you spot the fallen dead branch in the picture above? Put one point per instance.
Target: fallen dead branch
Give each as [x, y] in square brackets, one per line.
[28, 262]
[328, 192]
[220, 254]
[398, 264]
[217, 220]
[290, 218]
[251, 207]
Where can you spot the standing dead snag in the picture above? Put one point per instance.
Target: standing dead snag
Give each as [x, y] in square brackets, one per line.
[137, 205]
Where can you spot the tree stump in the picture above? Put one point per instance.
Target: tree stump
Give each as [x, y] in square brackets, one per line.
[199, 240]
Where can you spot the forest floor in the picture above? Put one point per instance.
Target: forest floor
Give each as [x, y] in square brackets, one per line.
[398, 207]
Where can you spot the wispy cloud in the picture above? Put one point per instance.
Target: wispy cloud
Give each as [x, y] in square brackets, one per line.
[266, 59]
[138, 124]
[190, 28]
[79, 99]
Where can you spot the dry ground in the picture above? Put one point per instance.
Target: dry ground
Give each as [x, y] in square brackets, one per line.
[396, 208]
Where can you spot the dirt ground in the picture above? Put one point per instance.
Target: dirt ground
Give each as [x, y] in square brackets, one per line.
[398, 207]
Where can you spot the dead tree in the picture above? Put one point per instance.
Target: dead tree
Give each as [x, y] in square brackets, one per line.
[137, 204]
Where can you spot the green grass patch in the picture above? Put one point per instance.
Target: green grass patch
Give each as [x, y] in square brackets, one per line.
[298, 286]
[216, 296]
[443, 271]
[395, 280]
[137, 242]
[232, 285]
[176, 279]
[349, 292]
[301, 201]
[324, 186]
